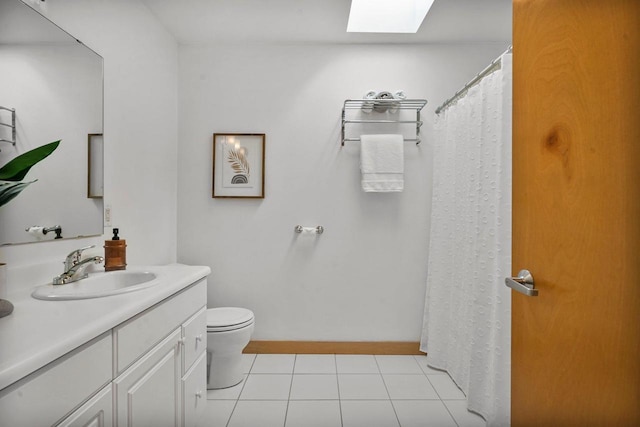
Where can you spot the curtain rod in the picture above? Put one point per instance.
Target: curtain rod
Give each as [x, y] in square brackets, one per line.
[495, 65]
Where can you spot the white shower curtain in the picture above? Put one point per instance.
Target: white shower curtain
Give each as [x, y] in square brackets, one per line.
[467, 319]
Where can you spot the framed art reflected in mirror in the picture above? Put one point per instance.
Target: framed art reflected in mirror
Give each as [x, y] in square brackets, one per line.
[95, 166]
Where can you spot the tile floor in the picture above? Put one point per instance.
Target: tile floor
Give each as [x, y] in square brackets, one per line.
[287, 390]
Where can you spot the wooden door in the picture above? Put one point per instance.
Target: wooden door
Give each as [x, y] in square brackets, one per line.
[576, 212]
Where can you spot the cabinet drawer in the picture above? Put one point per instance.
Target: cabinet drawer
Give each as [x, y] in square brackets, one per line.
[194, 393]
[59, 387]
[194, 335]
[139, 334]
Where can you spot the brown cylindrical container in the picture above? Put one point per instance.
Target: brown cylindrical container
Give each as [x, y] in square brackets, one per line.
[115, 255]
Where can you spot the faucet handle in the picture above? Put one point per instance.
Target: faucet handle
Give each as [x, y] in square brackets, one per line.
[74, 256]
[79, 251]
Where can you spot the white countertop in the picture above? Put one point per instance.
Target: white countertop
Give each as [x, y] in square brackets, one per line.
[38, 332]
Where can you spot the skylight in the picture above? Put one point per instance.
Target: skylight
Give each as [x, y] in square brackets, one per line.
[387, 16]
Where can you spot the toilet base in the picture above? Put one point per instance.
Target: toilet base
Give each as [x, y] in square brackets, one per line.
[224, 371]
[229, 330]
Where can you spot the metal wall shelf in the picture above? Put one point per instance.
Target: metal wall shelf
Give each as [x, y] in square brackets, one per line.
[376, 107]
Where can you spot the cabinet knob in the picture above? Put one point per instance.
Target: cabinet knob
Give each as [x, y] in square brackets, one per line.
[199, 394]
[199, 337]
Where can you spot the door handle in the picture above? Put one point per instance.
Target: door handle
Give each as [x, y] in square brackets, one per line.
[523, 283]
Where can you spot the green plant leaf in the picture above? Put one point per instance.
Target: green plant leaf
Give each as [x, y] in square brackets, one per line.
[17, 168]
[9, 190]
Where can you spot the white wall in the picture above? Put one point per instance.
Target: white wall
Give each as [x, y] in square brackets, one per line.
[364, 278]
[140, 128]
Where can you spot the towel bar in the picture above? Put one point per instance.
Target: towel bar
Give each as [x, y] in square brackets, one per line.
[11, 141]
[416, 140]
[399, 104]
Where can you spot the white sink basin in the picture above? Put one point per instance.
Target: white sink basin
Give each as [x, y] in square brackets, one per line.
[98, 285]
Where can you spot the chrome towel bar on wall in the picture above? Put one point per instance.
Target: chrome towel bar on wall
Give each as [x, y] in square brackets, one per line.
[378, 107]
[11, 125]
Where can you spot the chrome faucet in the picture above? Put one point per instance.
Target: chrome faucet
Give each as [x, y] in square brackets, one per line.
[74, 266]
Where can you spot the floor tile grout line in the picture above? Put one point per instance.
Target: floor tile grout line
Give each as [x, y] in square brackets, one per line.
[377, 364]
[364, 399]
[434, 387]
[276, 374]
[293, 370]
[244, 382]
[316, 399]
[387, 390]
[450, 414]
[255, 356]
[454, 383]
[419, 365]
[427, 368]
[442, 400]
[335, 360]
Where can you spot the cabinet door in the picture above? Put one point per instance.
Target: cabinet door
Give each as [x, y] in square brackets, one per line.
[97, 412]
[149, 392]
[194, 393]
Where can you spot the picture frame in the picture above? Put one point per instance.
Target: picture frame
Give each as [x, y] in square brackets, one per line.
[238, 165]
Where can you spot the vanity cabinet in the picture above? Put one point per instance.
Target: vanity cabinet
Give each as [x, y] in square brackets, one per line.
[155, 382]
[97, 412]
[147, 371]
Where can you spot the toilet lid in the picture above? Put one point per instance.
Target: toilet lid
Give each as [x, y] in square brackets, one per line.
[225, 318]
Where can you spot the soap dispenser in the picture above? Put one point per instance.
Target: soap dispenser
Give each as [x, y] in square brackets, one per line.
[115, 253]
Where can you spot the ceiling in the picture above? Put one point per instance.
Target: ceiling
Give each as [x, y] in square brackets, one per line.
[323, 21]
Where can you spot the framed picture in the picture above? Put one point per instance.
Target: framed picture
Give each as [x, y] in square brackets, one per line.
[238, 165]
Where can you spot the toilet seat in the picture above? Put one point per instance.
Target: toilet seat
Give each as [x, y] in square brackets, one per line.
[223, 319]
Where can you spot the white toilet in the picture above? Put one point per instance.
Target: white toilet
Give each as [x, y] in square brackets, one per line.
[229, 330]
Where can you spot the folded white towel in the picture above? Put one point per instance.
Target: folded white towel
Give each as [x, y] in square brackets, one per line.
[382, 163]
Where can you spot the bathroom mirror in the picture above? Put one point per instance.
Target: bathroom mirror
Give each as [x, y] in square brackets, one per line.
[55, 85]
